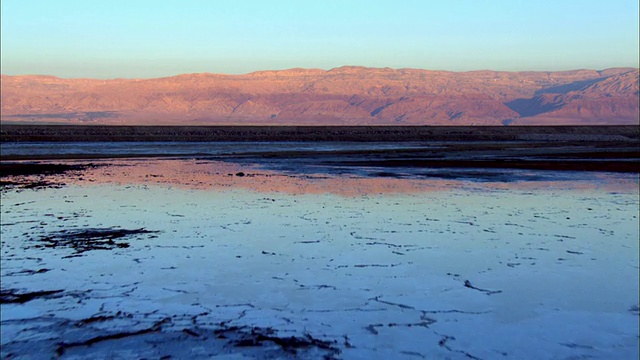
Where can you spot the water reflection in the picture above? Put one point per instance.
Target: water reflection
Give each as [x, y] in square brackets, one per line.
[216, 175]
[392, 266]
[133, 149]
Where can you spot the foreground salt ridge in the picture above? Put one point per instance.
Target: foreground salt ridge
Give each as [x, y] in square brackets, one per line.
[373, 275]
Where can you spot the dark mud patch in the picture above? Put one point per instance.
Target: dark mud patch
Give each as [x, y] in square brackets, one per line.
[14, 296]
[164, 337]
[307, 242]
[28, 272]
[30, 184]
[95, 319]
[23, 169]
[372, 328]
[63, 346]
[90, 239]
[468, 284]
[30, 175]
[256, 336]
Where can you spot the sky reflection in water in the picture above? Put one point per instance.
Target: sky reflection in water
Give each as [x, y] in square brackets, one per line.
[552, 264]
[215, 175]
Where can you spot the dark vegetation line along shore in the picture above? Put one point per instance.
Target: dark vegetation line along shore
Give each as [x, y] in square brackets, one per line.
[80, 133]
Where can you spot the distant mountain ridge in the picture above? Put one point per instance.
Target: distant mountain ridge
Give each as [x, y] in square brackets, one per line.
[342, 96]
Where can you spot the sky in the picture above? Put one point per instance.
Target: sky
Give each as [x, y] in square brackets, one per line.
[142, 39]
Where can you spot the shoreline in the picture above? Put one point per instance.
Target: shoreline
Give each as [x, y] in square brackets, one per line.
[455, 156]
[101, 133]
[562, 148]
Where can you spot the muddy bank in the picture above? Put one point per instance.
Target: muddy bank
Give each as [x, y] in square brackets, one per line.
[34, 175]
[65, 133]
[460, 155]
[23, 169]
[84, 240]
[32, 160]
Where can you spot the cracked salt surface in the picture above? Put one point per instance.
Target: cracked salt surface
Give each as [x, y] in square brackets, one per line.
[274, 265]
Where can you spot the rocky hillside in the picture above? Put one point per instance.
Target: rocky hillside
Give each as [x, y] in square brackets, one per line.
[340, 96]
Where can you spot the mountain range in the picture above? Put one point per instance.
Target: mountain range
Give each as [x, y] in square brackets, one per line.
[341, 96]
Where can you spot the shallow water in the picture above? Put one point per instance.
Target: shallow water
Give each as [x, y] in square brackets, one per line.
[378, 267]
[190, 148]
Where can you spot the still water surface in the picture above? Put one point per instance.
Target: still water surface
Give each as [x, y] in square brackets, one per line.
[381, 267]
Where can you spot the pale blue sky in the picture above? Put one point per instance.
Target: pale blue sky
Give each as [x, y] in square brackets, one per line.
[136, 38]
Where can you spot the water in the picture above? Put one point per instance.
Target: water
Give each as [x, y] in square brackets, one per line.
[543, 266]
[37, 149]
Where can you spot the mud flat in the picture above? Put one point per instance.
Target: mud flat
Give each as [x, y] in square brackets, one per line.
[197, 258]
[196, 242]
[613, 149]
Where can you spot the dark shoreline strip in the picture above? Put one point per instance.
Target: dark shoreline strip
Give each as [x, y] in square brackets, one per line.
[563, 165]
[100, 133]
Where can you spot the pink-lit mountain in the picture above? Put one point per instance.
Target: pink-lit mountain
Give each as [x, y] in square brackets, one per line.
[340, 96]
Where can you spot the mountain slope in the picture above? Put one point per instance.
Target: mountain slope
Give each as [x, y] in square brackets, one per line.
[346, 95]
[613, 99]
